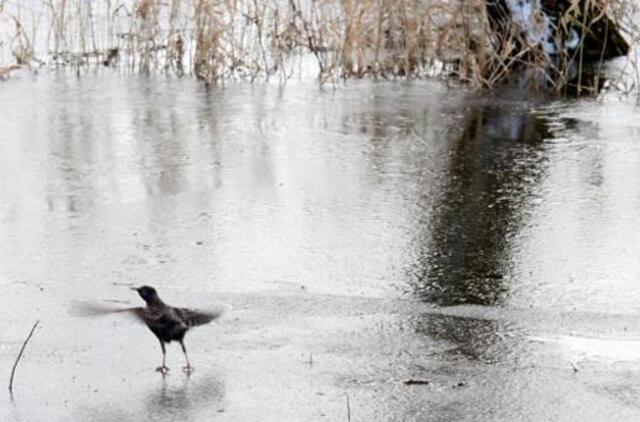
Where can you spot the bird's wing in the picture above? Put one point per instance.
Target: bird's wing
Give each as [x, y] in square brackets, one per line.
[150, 317]
[193, 317]
[159, 319]
[91, 309]
[154, 318]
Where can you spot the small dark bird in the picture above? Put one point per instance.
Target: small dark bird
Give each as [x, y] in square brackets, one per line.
[168, 323]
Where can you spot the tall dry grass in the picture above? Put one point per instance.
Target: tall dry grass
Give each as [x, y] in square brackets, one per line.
[219, 40]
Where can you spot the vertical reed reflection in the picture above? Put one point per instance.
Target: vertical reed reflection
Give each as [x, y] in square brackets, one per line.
[493, 169]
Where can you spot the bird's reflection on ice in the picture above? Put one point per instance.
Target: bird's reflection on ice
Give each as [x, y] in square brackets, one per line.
[185, 399]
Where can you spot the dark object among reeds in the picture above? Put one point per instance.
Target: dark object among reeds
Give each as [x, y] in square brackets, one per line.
[569, 40]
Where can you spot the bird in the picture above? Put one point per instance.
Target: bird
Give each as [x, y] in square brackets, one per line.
[169, 323]
[166, 322]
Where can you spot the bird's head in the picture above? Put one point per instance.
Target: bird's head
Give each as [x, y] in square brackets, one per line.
[148, 293]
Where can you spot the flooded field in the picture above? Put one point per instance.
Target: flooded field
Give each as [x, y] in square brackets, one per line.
[383, 251]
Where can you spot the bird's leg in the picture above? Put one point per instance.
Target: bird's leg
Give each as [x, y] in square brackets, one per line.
[163, 369]
[187, 368]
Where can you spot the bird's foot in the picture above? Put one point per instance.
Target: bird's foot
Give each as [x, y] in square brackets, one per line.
[162, 369]
[188, 369]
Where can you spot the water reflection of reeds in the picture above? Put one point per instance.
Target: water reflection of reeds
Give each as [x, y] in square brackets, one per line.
[491, 177]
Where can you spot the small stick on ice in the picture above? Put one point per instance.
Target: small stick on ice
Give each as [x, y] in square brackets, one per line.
[348, 408]
[13, 370]
[575, 367]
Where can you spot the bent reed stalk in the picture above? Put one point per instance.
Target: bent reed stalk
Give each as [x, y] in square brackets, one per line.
[220, 40]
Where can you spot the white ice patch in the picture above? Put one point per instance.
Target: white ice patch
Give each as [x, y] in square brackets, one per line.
[548, 37]
[594, 348]
[573, 41]
[536, 25]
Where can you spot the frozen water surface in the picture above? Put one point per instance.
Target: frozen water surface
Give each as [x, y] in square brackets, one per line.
[358, 238]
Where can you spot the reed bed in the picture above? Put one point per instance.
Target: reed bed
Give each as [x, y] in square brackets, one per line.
[221, 40]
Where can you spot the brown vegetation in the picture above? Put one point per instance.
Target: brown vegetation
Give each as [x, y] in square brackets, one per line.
[218, 40]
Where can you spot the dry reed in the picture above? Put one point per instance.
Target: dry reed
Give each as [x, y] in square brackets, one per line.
[219, 40]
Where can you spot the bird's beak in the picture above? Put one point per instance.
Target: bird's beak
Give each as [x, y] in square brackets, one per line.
[134, 288]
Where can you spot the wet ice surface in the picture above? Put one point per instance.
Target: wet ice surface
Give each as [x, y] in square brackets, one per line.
[357, 238]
